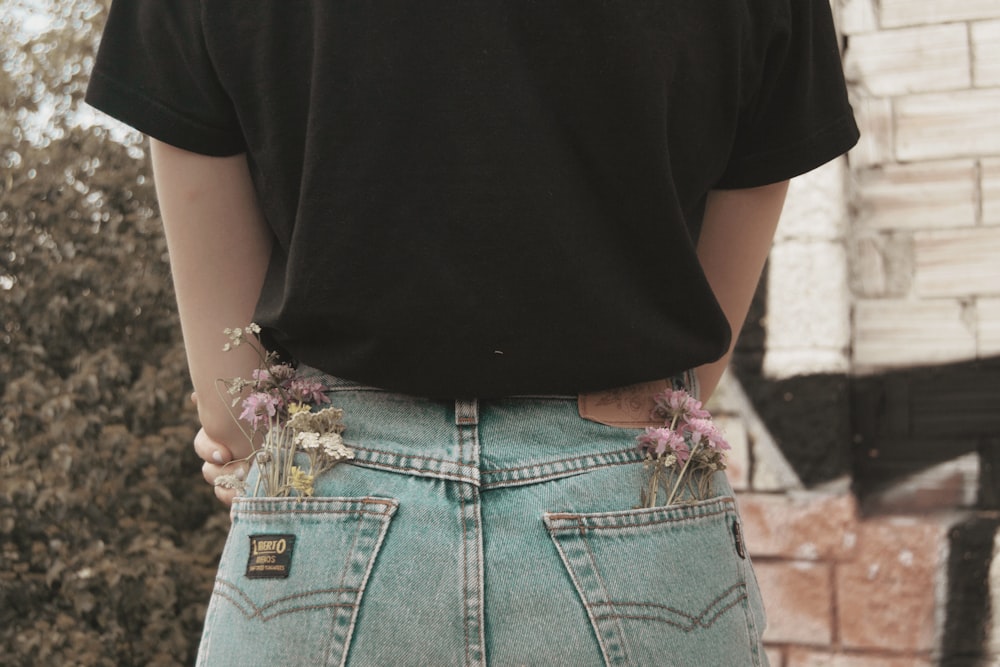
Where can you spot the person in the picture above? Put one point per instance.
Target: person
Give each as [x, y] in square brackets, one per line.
[479, 224]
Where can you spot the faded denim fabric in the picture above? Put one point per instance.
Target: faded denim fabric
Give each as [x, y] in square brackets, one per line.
[498, 532]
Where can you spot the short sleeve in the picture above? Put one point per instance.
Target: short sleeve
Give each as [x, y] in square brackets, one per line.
[154, 72]
[798, 117]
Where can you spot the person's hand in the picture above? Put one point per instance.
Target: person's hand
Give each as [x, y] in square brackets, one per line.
[219, 460]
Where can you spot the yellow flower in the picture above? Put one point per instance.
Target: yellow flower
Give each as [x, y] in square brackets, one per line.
[301, 481]
[295, 408]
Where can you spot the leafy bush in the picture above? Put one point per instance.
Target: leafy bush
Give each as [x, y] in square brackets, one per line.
[108, 534]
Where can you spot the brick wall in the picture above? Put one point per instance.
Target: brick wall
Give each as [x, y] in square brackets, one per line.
[841, 589]
[885, 262]
[925, 180]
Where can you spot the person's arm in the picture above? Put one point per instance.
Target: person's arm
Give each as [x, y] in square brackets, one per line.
[219, 246]
[736, 236]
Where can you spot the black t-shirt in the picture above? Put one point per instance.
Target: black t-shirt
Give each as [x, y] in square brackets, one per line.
[486, 197]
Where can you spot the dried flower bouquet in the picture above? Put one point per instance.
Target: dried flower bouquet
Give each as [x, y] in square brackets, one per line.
[684, 453]
[299, 440]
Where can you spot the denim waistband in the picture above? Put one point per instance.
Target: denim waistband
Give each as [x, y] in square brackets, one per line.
[489, 443]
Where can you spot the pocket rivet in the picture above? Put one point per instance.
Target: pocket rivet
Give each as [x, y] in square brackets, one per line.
[738, 537]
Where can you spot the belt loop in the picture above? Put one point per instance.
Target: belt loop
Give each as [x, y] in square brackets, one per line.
[466, 411]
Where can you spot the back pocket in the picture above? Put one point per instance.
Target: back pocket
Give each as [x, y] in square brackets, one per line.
[662, 586]
[291, 580]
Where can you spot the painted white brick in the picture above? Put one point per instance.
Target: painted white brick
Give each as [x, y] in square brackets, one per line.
[808, 305]
[857, 16]
[911, 60]
[991, 191]
[958, 263]
[816, 208]
[893, 333]
[784, 363]
[986, 53]
[945, 125]
[917, 196]
[895, 13]
[988, 320]
[881, 264]
[875, 120]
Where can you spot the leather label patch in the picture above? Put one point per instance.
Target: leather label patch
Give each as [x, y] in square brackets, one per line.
[270, 556]
[625, 407]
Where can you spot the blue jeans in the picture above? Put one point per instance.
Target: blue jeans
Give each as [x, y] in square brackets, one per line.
[471, 532]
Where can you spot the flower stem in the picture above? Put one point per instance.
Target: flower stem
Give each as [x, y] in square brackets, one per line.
[673, 492]
[654, 484]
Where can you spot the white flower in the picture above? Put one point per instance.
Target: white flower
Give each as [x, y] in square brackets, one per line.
[230, 482]
[334, 447]
[307, 440]
[326, 420]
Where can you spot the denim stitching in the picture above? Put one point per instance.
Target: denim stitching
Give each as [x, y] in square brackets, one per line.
[381, 530]
[631, 519]
[598, 455]
[260, 609]
[687, 628]
[604, 587]
[397, 455]
[350, 552]
[244, 512]
[266, 619]
[579, 590]
[695, 618]
[523, 481]
[313, 505]
[465, 554]
[480, 574]
[422, 472]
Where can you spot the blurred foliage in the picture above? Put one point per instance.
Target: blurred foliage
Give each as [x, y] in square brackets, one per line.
[108, 535]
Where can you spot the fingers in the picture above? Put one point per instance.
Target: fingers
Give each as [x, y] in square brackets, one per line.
[210, 451]
[218, 461]
[211, 473]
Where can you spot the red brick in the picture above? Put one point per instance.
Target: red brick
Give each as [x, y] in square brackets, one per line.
[886, 595]
[775, 655]
[798, 598]
[802, 657]
[800, 526]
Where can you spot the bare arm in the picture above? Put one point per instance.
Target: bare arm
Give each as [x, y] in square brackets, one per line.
[736, 237]
[219, 246]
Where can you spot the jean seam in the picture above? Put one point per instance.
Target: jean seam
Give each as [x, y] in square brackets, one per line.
[616, 525]
[523, 481]
[579, 590]
[566, 460]
[538, 471]
[623, 649]
[695, 621]
[343, 573]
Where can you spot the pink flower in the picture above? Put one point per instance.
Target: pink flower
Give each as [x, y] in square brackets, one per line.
[261, 375]
[696, 411]
[307, 391]
[659, 441]
[705, 432]
[281, 373]
[259, 406]
[677, 403]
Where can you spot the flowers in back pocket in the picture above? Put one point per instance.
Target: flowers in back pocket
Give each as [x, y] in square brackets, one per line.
[682, 454]
[295, 438]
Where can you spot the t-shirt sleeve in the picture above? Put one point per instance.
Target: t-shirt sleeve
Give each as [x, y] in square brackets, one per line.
[798, 117]
[154, 72]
